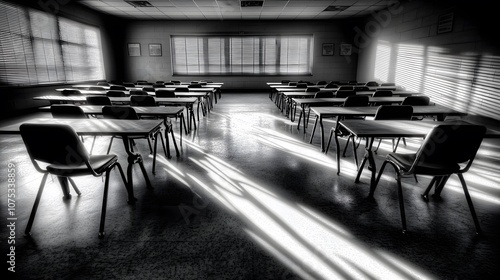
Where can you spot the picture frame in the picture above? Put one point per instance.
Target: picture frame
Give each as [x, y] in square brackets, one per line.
[155, 49]
[328, 49]
[345, 49]
[134, 49]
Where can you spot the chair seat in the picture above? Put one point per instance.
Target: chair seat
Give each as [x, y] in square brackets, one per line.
[405, 161]
[99, 163]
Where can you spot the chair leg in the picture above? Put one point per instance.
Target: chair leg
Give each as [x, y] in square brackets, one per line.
[104, 204]
[346, 145]
[154, 153]
[35, 205]
[433, 182]
[401, 203]
[395, 147]
[74, 186]
[110, 143]
[469, 202]
[355, 151]
[376, 149]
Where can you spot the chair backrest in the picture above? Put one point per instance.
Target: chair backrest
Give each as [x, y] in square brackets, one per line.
[169, 83]
[285, 82]
[115, 87]
[158, 86]
[148, 89]
[159, 82]
[128, 85]
[388, 85]
[353, 82]
[195, 85]
[313, 89]
[53, 144]
[346, 88]
[115, 93]
[165, 93]
[67, 92]
[119, 112]
[181, 89]
[361, 88]
[98, 100]
[450, 144]
[394, 112]
[138, 92]
[67, 111]
[382, 93]
[324, 94]
[301, 85]
[371, 84]
[417, 100]
[97, 88]
[332, 85]
[176, 82]
[320, 83]
[344, 93]
[292, 84]
[356, 101]
[103, 84]
[142, 100]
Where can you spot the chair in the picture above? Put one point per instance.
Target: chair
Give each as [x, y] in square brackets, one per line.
[285, 82]
[148, 89]
[67, 111]
[447, 149]
[382, 93]
[301, 85]
[345, 87]
[115, 93]
[344, 93]
[68, 92]
[98, 100]
[97, 88]
[294, 84]
[158, 86]
[142, 100]
[181, 89]
[321, 83]
[138, 92]
[165, 93]
[417, 100]
[332, 85]
[318, 94]
[350, 101]
[393, 112]
[195, 85]
[160, 82]
[371, 84]
[313, 89]
[352, 82]
[128, 85]
[116, 87]
[169, 83]
[105, 84]
[388, 85]
[58, 146]
[361, 88]
[176, 82]
[129, 113]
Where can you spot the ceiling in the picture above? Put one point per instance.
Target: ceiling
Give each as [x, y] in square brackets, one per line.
[234, 10]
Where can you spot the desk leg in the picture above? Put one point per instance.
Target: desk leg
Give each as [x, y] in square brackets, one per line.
[133, 158]
[337, 148]
[322, 132]
[168, 129]
[371, 162]
[314, 129]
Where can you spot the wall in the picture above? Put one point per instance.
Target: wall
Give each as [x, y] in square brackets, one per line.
[159, 68]
[16, 100]
[459, 69]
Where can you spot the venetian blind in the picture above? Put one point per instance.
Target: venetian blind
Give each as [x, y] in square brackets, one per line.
[241, 55]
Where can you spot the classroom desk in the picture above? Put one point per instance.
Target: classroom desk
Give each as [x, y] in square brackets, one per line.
[334, 101]
[104, 127]
[328, 112]
[380, 129]
[160, 111]
[187, 102]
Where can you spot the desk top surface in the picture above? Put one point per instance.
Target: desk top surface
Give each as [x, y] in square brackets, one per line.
[95, 126]
[396, 128]
[371, 110]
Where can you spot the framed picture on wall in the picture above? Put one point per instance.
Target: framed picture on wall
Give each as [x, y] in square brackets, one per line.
[345, 49]
[154, 49]
[134, 49]
[328, 49]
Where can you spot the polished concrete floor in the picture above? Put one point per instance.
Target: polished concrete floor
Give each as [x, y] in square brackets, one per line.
[250, 198]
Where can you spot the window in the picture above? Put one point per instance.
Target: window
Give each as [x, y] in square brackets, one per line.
[241, 55]
[40, 48]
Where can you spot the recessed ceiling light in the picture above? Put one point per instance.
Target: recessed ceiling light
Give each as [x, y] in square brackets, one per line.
[335, 8]
[140, 3]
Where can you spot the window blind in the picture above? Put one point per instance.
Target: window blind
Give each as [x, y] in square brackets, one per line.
[40, 48]
[241, 55]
